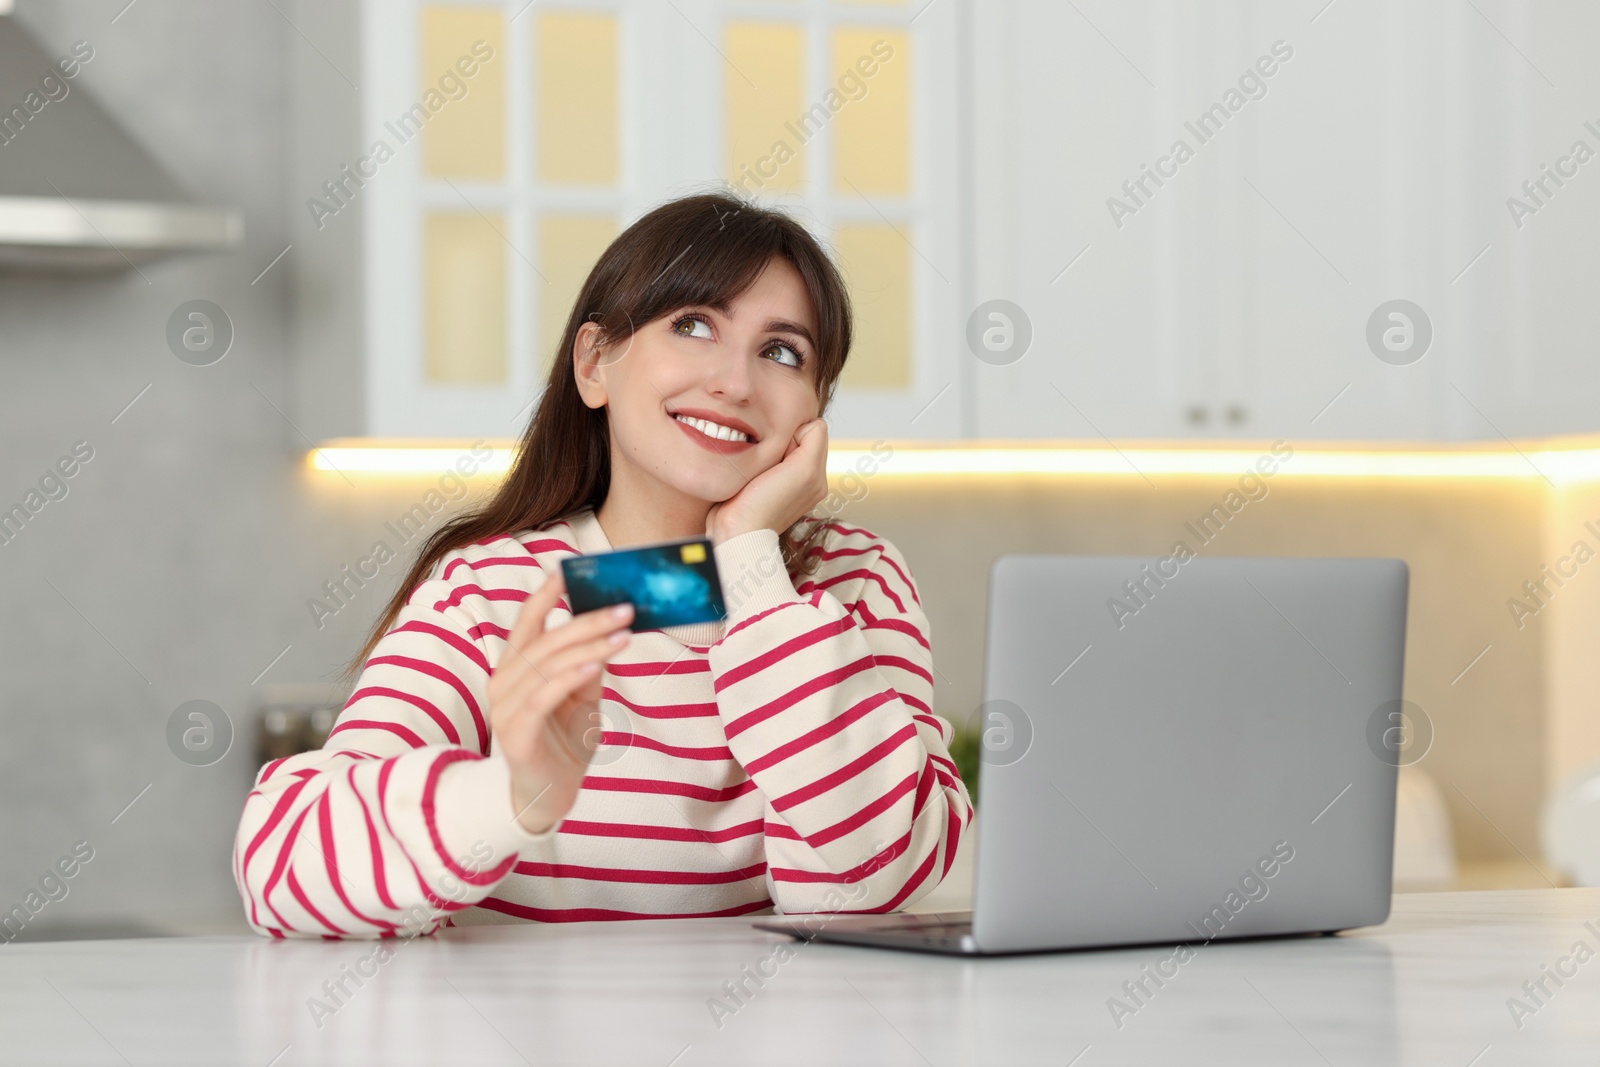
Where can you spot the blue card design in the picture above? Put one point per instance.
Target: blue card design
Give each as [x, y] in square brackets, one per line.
[668, 585]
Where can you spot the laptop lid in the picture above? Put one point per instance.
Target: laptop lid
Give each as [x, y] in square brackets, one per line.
[1180, 751]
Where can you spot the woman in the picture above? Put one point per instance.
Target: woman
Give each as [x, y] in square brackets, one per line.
[502, 758]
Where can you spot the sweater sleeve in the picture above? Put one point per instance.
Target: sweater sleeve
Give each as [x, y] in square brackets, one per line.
[405, 815]
[828, 709]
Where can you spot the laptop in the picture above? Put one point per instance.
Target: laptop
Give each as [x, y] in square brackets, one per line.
[1175, 752]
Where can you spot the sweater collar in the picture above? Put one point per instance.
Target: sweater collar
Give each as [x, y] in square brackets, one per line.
[587, 534]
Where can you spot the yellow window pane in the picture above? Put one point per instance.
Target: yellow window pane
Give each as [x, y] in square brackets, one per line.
[575, 67]
[461, 102]
[764, 89]
[872, 129]
[877, 264]
[465, 299]
[569, 245]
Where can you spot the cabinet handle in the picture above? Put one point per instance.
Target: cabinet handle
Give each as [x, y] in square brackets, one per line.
[1237, 414]
[1197, 414]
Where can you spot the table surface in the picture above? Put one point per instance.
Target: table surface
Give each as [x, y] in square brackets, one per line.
[1434, 985]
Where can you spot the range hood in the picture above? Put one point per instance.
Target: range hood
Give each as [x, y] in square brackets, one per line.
[76, 192]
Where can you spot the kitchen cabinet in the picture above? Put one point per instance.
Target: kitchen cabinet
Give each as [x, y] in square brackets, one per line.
[1221, 292]
[451, 207]
[1314, 168]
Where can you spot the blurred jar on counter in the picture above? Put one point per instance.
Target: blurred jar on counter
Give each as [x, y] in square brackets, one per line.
[295, 718]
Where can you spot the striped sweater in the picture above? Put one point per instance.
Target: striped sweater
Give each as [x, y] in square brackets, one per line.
[784, 759]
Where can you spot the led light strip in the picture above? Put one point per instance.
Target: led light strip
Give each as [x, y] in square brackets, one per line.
[1557, 465]
[347, 457]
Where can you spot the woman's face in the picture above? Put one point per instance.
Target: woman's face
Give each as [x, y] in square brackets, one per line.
[704, 399]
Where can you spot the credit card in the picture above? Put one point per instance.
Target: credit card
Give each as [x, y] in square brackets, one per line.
[671, 584]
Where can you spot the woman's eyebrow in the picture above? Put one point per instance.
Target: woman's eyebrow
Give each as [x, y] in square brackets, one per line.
[781, 326]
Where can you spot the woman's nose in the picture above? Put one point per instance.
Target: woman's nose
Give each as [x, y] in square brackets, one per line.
[730, 375]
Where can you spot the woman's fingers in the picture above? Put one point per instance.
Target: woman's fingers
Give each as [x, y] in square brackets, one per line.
[596, 650]
[530, 624]
[528, 715]
[514, 698]
[581, 628]
[529, 643]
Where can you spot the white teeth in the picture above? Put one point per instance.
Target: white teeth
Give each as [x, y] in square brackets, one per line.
[712, 429]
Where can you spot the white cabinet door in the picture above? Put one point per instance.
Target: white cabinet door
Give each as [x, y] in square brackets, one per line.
[1096, 347]
[1374, 174]
[1238, 188]
[1538, 372]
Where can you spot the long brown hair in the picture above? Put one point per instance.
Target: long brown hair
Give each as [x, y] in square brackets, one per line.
[701, 250]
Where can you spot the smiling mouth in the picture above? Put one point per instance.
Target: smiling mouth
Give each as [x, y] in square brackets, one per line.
[715, 431]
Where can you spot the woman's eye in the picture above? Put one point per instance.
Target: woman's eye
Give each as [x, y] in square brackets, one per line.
[693, 324]
[786, 355]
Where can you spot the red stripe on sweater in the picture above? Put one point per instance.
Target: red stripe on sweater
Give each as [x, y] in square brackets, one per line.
[864, 815]
[905, 665]
[814, 685]
[330, 864]
[828, 781]
[280, 809]
[861, 871]
[918, 876]
[656, 668]
[448, 677]
[379, 876]
[947, 764]
[757, 617]
[682, 789]
[821, 733]
[863, 575]
[281, 863]
[449, 637]
[952, 837]
[647, 877]
[373, 724]
[305, 902]
[491, 561]
[823, 553]
[911, 586]
[661, 711]
[925, 782]
[778, 654]
[642, 832]
[429, 785]
[631, 740]
[871, 621]
[429, 897]
[488, 629]
[549, 544]
[461, 592]
[583, 915]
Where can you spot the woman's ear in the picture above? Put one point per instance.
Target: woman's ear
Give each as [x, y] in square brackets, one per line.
[588, 365]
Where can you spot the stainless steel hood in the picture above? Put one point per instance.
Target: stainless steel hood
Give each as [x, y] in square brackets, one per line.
[76, 192]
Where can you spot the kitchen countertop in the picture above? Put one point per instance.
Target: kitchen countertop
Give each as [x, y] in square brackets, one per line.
[1430, 986]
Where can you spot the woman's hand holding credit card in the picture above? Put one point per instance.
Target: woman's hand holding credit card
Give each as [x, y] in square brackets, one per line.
[544, 700]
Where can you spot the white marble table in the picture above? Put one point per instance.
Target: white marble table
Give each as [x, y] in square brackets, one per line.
[1429, 987]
